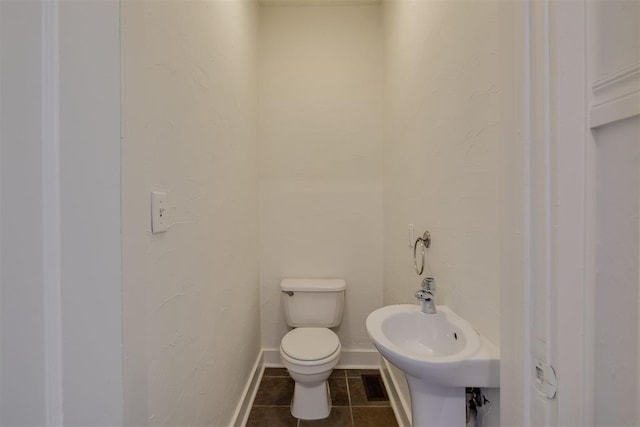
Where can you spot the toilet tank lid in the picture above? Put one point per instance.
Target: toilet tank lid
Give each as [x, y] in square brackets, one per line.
[316, 285]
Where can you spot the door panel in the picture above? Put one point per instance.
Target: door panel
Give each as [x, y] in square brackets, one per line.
[616, 288]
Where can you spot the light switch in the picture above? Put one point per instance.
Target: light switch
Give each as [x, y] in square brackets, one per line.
[159, 210]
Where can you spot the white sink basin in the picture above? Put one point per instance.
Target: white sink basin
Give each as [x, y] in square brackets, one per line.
[442, 348]
[441, 354]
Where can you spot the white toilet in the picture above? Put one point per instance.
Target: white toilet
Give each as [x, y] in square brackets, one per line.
[311, 350]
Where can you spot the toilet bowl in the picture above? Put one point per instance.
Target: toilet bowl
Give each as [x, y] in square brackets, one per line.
[310, 354]
[311, 350]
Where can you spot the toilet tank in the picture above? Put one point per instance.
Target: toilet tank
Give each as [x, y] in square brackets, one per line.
[313, 302]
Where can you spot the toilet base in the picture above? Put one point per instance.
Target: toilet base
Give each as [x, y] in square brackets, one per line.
[311, 402]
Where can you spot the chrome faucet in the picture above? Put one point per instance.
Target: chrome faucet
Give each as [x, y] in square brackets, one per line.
[426, 295]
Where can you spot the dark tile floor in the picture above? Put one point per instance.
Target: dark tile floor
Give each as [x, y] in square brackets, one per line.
[350, 407]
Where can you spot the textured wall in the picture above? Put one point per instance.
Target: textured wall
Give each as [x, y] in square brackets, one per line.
[191, 305]
[441, 160]
[320, 106]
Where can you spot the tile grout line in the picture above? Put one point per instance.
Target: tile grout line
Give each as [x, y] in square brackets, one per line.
[271, 406]
[346, 379]
[347, 376]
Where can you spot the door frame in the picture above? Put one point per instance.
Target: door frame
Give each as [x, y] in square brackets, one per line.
[547, 240]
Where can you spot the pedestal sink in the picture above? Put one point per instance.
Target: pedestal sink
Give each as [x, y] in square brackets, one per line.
[441, 355]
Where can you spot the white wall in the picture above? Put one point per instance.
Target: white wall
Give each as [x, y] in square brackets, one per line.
[320, 106]
[442, 165]
[191, 305]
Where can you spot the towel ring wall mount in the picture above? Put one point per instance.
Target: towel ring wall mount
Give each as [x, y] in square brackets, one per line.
[425, 241]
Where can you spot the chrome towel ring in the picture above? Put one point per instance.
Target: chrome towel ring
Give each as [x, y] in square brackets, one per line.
[425, 240]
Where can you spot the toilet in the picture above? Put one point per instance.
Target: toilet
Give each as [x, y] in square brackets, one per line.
[311, 350]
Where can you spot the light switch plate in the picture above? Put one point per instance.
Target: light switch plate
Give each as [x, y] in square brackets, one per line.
[159, 211]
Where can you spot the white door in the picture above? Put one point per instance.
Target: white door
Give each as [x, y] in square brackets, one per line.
[595, 198]
[60, 245]
[571, 266]
[614, 120]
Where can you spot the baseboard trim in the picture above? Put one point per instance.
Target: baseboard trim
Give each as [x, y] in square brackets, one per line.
[349, 359]
[398, 402]
[243, 409]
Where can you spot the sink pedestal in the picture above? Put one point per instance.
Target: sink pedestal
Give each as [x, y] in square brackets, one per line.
[440, 354]
[436, 406]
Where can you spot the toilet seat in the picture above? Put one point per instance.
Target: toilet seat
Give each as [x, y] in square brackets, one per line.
[309, 355]
[310, 344]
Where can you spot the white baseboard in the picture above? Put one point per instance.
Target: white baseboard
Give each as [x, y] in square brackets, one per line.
[243, 409]
[349, 359]
[401, 407]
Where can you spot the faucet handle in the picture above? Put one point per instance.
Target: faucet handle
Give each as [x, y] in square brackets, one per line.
[423, 295]
[429, 284]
